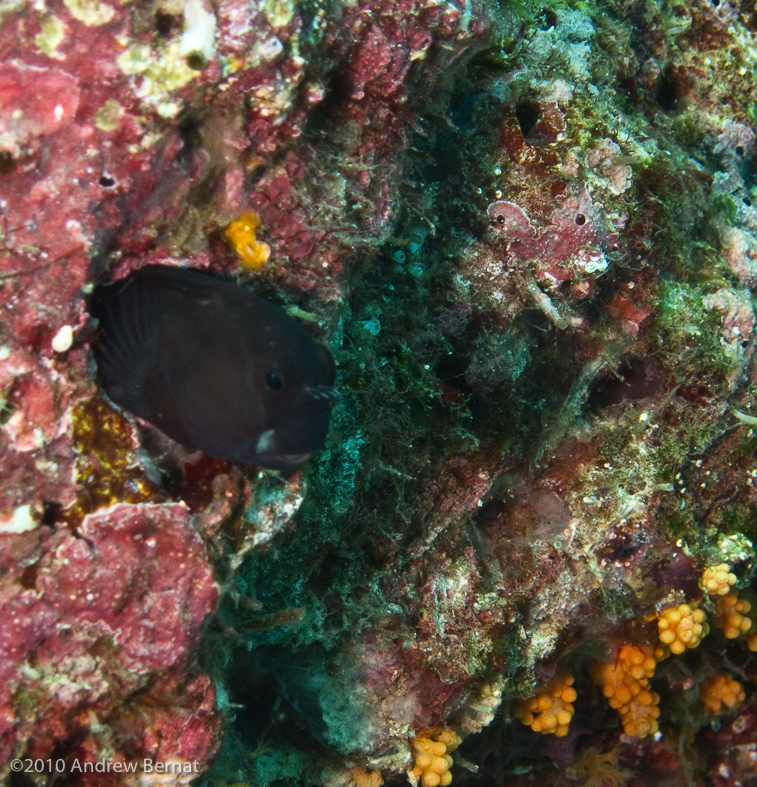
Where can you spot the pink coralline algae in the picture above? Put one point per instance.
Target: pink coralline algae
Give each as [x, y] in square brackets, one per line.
[512, 221]
[92, 615]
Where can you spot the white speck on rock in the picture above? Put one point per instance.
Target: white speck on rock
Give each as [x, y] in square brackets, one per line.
[20, 521]
[199, 30]
[271, 48]
[63, 340]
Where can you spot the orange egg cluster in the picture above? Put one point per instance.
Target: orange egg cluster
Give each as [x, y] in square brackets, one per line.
[718, 580]
[241, 235]
[432, 760]
[625, 683]
[682, 627]
[551, 710]
[731, 615]
[720, 690]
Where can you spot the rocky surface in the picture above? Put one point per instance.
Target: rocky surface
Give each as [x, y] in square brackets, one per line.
[528, 237]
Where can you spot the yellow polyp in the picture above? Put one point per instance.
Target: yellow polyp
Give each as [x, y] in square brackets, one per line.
[732, 615]
[432, 761]
[550, 710]
[718, 580]
[241, 235]
[721, 691]
[625, 683]
[682, 627]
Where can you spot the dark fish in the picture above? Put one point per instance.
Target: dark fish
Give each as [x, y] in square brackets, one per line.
[213, 366]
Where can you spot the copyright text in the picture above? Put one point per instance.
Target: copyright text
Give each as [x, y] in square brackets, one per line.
[103, 766]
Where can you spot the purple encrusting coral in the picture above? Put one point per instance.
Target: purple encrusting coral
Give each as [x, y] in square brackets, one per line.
[528, 237]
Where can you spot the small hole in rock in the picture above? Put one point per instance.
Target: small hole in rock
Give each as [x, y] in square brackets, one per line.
[106, 181]
[7, 162]
[50, 511]
[668, 91]
[550, 18]
[166, 24]
[196, 61]
[528, 114]
[28, 578]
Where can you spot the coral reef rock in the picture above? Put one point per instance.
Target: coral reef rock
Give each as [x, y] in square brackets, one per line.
[528, 236]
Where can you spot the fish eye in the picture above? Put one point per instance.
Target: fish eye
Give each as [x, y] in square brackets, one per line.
[273, 381]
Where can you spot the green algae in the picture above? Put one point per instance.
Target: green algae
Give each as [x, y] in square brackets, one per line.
[689, 332]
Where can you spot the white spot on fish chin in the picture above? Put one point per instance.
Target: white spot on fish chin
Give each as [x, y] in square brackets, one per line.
[266, 442]
[63, 340]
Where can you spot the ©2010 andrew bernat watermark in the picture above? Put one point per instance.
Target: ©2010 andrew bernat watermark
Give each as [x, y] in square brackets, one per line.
[104, 766]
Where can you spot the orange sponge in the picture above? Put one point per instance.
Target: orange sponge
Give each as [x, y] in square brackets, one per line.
[359, 777]
[718, 580]
[432, 760]
[625, 683]
[721, 691]
[682, 627]
[241, 235]
[731, 615]
[551, 710]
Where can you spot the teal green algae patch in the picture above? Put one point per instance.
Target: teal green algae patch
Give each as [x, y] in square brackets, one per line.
[367, 488]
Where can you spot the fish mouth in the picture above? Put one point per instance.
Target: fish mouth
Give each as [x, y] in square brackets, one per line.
[282, 461]
[321, 392]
